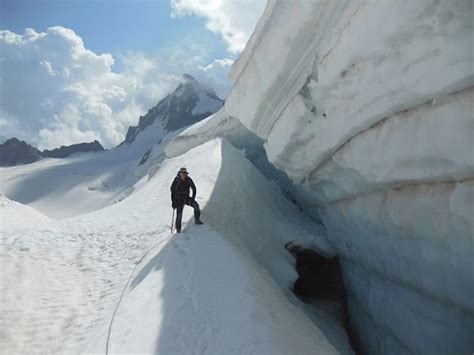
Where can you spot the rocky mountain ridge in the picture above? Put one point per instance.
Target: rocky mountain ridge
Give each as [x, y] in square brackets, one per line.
[15, 151]
[189, 103]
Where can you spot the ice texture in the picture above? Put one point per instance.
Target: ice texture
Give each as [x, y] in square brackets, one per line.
[367, 106]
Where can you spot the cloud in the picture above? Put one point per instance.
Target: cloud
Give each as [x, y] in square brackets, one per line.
[56, 91]
[217, 74]
[233, 20]
[217, 64]
[189, 57]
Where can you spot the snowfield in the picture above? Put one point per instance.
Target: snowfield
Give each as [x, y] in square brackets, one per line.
[66, 282]
[14, 214]
[82, 183]
[199, 294]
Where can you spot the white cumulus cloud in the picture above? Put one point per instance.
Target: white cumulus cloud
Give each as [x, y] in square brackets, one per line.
[217, 74]
[234, 20]
[56, 91]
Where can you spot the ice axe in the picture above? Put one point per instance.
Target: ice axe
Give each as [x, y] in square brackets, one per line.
[172, 222]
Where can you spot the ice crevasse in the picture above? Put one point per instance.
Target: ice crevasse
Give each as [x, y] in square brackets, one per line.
[367, 106]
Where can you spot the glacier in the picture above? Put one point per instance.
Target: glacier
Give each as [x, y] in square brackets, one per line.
[116, 280]
[368, 108]
[349, 129]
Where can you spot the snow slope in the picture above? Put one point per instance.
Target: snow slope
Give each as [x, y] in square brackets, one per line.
[14, 213]
[82, 182]
[368, 107]
[205, 297]
[202, 291]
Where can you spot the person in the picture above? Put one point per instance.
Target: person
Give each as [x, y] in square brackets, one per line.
[180, 197]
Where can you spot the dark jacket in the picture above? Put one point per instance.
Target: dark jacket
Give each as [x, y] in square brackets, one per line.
[180, 189]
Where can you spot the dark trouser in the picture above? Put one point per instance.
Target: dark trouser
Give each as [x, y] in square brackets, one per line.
[179, 215]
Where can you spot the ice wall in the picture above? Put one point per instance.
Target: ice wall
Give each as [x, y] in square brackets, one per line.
[368, 106]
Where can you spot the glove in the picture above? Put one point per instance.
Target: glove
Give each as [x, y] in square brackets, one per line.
[173, 204]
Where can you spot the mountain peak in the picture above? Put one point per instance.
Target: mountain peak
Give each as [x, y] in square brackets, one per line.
[188, 77]
[189, 103]
[14, 140]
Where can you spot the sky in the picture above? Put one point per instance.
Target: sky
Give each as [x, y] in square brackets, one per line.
[74, 71]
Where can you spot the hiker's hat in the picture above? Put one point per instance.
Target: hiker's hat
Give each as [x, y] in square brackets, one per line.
[183, 170]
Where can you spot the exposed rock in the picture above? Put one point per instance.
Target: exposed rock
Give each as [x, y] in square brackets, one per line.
[189, 103]
[65, 151]
[14, 152]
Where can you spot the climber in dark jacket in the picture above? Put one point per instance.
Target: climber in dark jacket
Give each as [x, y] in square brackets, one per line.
[180, 196]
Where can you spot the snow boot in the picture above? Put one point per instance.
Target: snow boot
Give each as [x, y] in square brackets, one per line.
[198, 221]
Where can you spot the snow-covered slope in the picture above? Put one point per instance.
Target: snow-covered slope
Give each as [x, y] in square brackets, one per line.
[201, 291]
[14, 214]
[201, 294]
[368, 107]
[77, 184]
[87, 182]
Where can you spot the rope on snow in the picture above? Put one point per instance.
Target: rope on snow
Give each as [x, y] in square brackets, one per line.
[128, 282]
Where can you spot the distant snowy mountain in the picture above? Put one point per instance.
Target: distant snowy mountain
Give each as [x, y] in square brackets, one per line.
[189, 103]
[14, 151]
[88, 182]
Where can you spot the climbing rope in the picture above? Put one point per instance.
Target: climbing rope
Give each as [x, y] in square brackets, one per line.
[128, 282]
